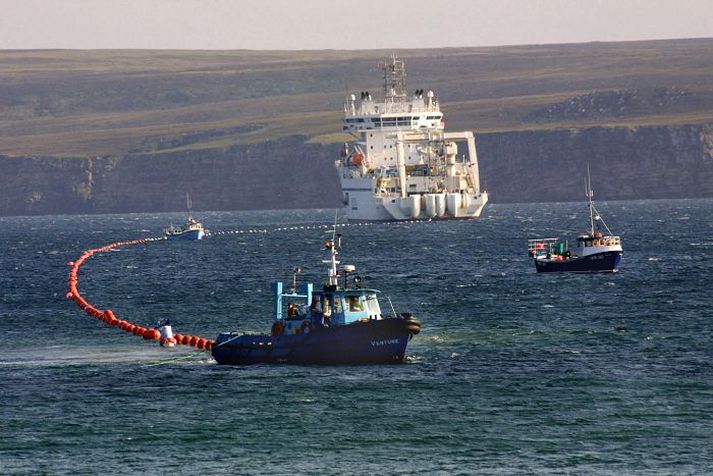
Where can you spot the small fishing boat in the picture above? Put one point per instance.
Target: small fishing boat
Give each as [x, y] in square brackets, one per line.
[598, 250]
[192, 230]
[341, 323]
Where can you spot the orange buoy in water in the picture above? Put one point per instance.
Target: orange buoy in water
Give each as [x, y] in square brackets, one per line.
[194, 341]
[186, 340]
[179, 338]
[200, 343]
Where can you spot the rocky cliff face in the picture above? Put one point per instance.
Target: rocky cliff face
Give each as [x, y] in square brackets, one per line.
[626, 163]
[647, 162]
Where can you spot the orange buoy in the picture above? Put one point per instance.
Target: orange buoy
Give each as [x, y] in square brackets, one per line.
[186, 340]
[194, 341]
[200, 343]
[208, 344]
[179, 338]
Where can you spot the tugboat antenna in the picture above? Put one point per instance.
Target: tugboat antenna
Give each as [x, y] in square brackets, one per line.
[333, 247]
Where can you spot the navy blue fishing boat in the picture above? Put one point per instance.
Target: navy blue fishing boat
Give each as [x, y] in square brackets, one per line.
[338, 324]
[596, 251]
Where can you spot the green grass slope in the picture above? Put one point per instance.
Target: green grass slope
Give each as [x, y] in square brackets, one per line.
[105, 103]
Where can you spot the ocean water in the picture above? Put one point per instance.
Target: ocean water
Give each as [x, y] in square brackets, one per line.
[514, 372]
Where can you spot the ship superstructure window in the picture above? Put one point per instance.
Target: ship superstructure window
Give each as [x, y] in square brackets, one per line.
[354, 304]
[372, 305]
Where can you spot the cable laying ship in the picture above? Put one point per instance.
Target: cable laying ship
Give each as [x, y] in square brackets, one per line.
[403, 165]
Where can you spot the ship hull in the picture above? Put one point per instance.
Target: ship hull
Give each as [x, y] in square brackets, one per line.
[604, 262]
[362, 205]
[375, 341]
[190, 235]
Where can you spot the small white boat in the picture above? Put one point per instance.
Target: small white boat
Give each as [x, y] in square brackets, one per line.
[192, 230]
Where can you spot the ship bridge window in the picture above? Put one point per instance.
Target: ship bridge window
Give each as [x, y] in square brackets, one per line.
[372, 305]
[354, 304]
[433, 117]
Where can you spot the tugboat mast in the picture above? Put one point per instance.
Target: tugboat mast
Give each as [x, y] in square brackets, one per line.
[333, 246]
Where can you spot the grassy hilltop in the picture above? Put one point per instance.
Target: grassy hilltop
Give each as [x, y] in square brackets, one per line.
[65, 103]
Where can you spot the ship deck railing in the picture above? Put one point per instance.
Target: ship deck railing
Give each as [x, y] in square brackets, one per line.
[545, 242]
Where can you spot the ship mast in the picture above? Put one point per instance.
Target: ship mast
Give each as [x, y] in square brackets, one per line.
[590, 196]
[189, 205]
[394, 81]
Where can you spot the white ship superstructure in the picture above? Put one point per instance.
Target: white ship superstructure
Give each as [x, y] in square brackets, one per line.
[403, 165]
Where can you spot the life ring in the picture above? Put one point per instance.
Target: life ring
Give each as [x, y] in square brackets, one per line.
[278, 328]
[306, 325]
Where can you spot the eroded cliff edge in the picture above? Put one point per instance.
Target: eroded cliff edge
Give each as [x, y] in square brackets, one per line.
[520, 166]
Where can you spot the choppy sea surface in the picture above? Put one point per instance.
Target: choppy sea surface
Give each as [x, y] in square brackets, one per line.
[514, 372]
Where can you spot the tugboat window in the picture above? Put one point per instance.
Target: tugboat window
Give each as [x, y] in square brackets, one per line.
[354, 304]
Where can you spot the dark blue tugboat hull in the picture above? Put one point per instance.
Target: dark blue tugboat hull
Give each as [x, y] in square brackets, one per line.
[375, 341]
[607, 261]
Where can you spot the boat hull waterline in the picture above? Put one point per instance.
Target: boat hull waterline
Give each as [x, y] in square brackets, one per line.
[607, 261]
[190, 235]
[373, 341]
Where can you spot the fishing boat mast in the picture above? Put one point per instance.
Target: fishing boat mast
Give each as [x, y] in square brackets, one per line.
[189, 206]
[590, 196]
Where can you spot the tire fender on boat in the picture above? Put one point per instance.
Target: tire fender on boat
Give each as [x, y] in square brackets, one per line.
[306, 325]
[278, 328]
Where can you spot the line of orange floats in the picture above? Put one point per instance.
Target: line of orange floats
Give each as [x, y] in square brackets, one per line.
[108, 315]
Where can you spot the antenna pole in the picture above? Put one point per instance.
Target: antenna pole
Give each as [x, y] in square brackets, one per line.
[590, 195]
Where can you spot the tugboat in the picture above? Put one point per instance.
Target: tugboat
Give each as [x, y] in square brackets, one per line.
[339, 324]
[192, 230]
[596, 251]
